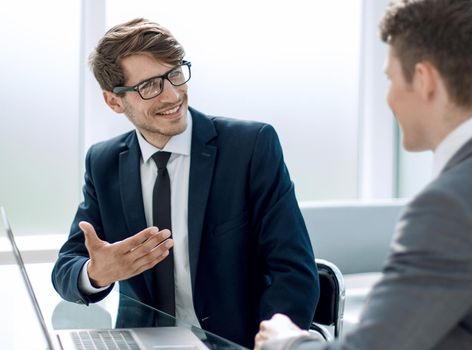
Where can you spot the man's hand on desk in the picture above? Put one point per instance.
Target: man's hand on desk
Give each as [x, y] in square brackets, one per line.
[124, 259]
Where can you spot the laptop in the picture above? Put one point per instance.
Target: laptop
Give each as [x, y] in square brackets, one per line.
[160, 338]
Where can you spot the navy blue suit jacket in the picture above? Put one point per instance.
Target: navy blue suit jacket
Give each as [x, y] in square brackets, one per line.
[250, 254]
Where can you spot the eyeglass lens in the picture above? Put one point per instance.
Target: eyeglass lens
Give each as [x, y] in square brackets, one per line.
[154, 86]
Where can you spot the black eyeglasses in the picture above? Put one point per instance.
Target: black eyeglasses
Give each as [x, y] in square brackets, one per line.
[152, 87]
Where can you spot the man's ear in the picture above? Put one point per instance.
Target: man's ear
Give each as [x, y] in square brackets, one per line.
[426, 80]
[114, 101]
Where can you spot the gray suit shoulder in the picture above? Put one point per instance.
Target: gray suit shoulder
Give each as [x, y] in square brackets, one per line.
[450, 192]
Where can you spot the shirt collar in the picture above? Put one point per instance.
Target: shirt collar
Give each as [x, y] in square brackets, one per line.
[450, 145]
[178, 144]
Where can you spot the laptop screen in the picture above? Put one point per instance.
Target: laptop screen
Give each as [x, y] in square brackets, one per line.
[21, 318]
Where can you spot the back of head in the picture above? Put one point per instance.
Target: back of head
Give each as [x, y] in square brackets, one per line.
[136, 36]
[437, 31]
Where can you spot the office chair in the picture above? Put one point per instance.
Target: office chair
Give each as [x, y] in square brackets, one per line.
[330, 308]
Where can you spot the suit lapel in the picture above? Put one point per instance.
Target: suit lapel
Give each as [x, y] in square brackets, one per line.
[202, 163]
[131, 193]
[130, 186]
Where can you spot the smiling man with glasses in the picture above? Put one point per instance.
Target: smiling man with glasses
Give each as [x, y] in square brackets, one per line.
[193, 214]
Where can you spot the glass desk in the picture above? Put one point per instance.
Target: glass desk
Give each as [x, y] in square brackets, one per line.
[19, 324]
[129, 313]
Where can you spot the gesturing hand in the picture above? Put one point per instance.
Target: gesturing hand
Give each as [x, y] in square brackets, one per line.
[111, 262]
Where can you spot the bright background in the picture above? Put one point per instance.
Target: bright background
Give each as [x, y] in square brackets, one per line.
[311, 68]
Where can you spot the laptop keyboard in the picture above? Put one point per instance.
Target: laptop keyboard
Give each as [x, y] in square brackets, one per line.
[114, 339]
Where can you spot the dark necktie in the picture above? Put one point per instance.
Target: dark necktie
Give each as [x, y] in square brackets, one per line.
[164, 271]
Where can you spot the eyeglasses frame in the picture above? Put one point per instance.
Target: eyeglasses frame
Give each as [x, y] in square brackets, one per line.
[135, 88]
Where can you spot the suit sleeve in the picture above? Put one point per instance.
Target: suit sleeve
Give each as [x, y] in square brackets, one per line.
[426, 286]
[284, 245]
[73, 254]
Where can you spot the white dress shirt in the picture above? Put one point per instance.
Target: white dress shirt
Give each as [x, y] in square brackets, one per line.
[450, 145]
[178, 167]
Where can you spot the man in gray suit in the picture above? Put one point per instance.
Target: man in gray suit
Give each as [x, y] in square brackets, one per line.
[424, 298]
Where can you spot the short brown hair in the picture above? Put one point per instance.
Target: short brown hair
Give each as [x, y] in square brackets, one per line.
[438, 31]
[133, 37]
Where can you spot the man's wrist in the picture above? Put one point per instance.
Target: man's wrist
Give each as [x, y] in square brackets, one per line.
[86, 285]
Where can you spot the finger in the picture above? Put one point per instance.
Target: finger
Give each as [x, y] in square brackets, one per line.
[260, 336]
[164, 245]
[157, 240]
[133, 242]
[92, 241]
[259, 340]
[158, 254]
[146, 263]
[151, 244]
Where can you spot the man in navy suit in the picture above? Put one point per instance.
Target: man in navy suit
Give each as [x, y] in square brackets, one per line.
[238, 242]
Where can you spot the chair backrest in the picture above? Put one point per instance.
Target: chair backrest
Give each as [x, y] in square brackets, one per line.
[330, 308]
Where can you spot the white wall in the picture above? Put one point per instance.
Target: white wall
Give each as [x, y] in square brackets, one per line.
[39, 139]
[377, 168]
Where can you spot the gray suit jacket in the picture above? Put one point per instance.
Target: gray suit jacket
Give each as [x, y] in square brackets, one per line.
[424, 299]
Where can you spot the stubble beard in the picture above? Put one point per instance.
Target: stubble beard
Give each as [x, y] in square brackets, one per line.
[150, 130]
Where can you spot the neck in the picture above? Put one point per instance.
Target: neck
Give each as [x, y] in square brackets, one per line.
[449, 122]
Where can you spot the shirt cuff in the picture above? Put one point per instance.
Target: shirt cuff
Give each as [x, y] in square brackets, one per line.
[85, 286]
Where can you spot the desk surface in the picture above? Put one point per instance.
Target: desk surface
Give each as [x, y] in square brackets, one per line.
[19, 328]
